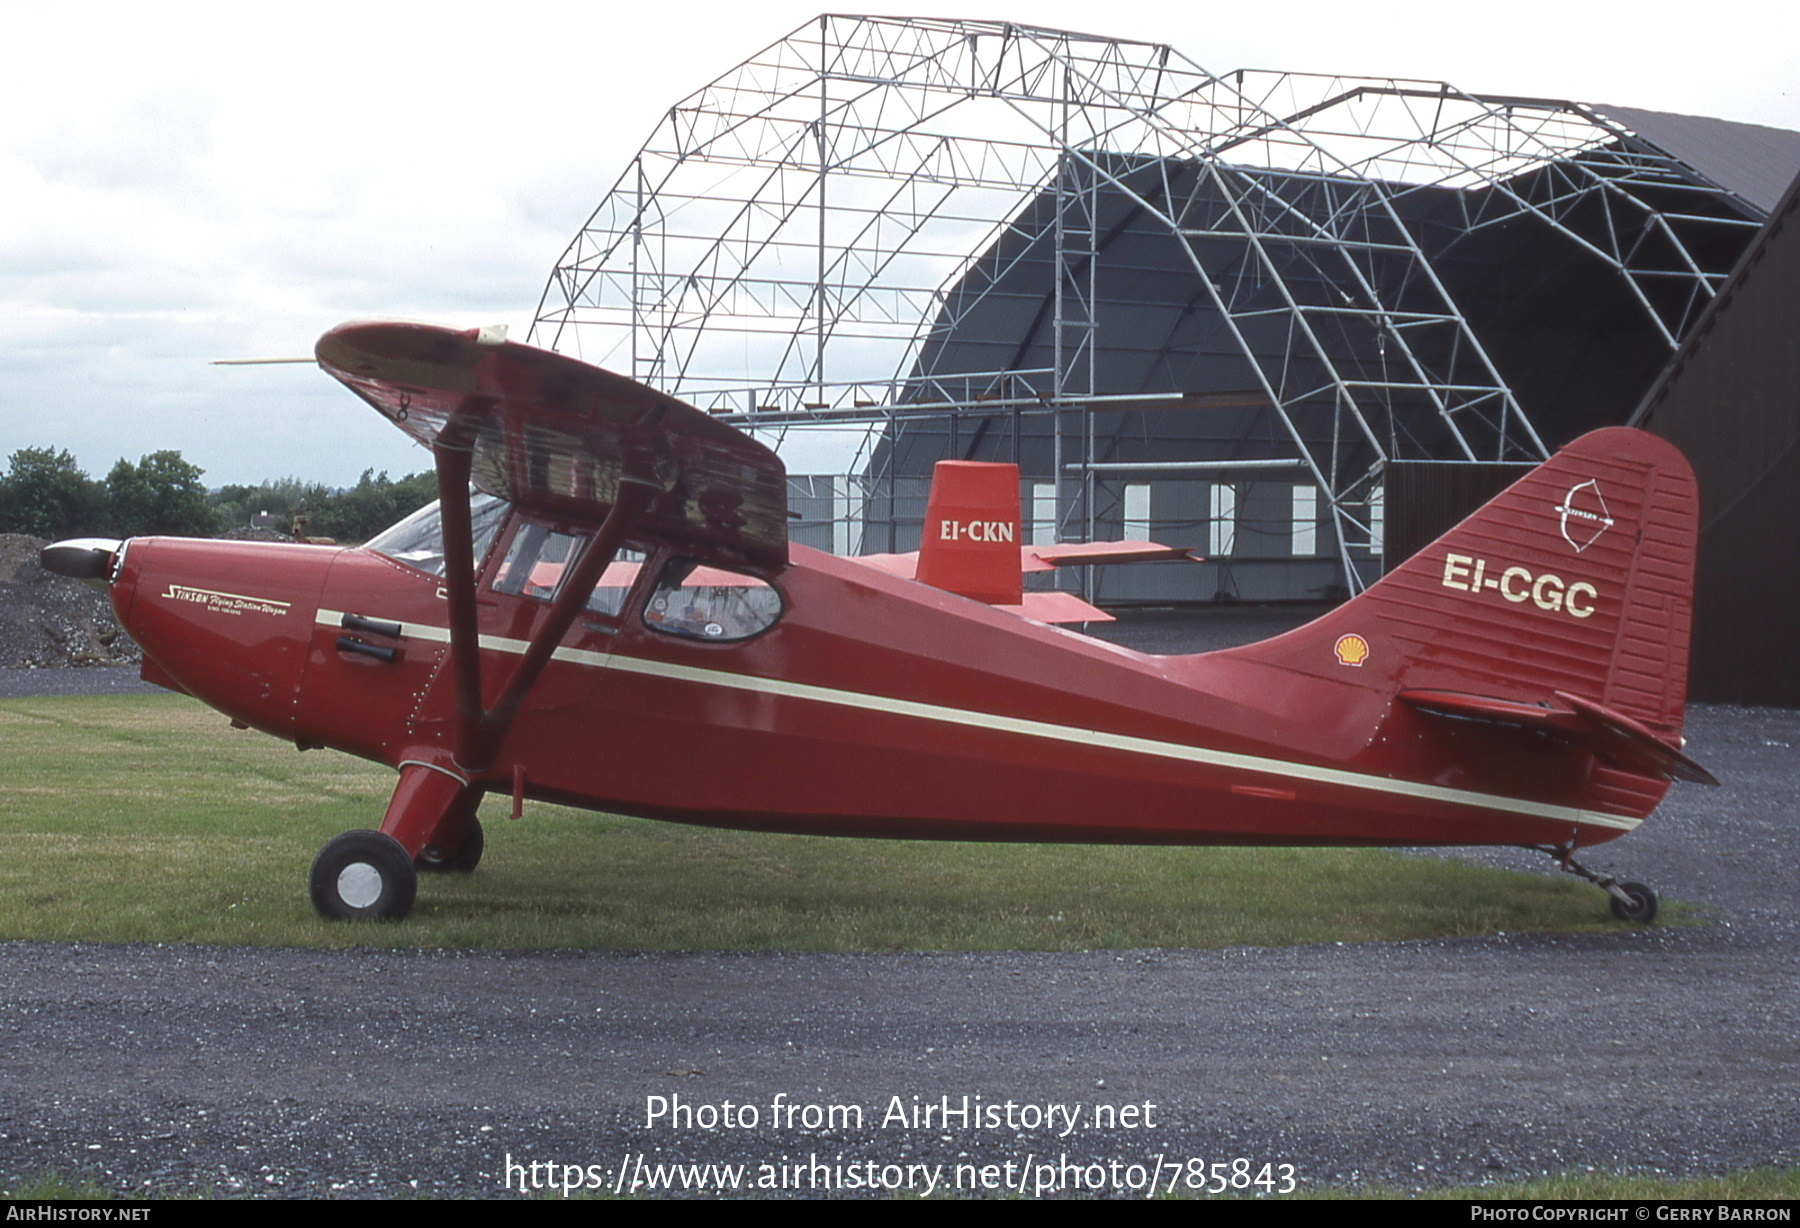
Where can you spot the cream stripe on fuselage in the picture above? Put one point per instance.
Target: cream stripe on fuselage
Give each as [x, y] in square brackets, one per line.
[1032, 729]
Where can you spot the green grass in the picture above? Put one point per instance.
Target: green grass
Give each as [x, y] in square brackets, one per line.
[148, 819]
[56, 1186]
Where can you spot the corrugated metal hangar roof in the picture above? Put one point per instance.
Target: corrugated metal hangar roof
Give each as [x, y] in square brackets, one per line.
[1748, 160]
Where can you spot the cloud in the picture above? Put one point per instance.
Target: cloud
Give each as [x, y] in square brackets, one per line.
[155, 143]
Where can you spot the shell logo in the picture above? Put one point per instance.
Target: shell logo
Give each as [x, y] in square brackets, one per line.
[1351, 650]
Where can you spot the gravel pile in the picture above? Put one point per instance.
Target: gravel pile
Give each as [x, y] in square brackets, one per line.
[48, 621]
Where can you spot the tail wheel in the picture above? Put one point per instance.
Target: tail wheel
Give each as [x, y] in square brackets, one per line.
[432, 860]
[363, 876]
[1633, 902]
[1638, 904]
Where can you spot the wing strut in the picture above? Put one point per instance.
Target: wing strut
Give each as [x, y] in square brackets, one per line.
[480, 729]
[452, 452]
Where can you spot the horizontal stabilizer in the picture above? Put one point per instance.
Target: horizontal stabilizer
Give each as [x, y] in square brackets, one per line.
[1037, 559]
[1614, 737]
[1043, 607]
[1070, 554]
[1055, 607]
[902, 566]
[971, 547]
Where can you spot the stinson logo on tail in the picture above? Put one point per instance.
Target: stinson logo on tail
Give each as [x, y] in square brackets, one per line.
[1584, 515]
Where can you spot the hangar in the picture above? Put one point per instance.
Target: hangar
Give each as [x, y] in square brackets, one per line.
[1731, 401]
[1297, 321]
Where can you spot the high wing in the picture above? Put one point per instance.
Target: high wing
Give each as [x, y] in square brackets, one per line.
[554, 436]
[561, 437]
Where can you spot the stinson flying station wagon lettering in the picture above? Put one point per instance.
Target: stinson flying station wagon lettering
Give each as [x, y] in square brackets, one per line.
[603, 609]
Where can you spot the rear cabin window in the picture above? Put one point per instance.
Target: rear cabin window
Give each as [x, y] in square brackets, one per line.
[711, 603]
[538, 558]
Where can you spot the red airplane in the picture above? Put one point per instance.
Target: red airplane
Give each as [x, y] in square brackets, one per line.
[603, 610]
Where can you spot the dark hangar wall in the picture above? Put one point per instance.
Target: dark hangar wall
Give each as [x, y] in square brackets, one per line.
[1730, 400]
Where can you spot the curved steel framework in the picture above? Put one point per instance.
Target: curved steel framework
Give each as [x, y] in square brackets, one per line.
[799, 241]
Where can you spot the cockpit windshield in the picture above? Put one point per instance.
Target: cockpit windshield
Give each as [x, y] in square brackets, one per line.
[418, 541]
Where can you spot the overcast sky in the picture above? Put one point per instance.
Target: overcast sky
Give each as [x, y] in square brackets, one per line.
[183, 182]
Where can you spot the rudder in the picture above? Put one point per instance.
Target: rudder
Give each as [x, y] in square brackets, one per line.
[1576, 579]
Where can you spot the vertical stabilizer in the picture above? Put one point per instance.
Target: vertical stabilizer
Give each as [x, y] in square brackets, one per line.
[1577, 579]
[971, 540]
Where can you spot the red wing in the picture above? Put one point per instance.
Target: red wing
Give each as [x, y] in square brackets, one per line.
[558, 436]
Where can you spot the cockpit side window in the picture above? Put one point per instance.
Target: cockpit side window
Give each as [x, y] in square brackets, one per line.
[711, 603]
[418, 541]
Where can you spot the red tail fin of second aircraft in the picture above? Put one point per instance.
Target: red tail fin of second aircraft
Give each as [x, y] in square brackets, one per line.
[971, 539]
[1569, 594]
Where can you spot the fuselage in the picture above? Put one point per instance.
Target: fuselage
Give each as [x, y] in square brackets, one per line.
[868, 705]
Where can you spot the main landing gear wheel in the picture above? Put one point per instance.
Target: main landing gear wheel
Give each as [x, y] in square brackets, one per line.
[1639, 904]
[432, 861]
[363, 876]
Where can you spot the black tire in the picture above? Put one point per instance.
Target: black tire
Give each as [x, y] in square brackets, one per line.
[1641, 910]
[431, 861]
[363, 876]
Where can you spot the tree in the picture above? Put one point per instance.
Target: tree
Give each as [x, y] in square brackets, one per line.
[374, 503]
[46, 494]
[281, 498]
[162, 493]
[352, 515]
